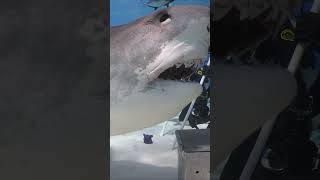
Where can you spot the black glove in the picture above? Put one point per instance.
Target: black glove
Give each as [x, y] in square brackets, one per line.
[308, 28]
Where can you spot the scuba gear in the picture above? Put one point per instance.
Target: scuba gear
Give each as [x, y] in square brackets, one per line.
[290, 137]
[287, 35]
[277, 49]
[289, 144]
[200, 113]
[289, 149]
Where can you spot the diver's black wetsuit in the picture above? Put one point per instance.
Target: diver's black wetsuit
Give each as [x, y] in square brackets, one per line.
[200, 113]
[291, 135]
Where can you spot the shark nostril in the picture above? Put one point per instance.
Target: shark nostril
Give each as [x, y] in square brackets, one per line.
[208, 28]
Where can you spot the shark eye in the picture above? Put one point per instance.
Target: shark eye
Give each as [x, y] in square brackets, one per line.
[164, 18]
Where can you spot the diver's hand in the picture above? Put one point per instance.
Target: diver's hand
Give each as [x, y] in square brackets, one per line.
[308, 28]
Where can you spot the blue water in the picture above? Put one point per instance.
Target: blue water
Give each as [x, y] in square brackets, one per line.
[124, 11]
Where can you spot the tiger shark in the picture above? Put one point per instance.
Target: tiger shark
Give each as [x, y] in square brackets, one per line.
[151, 59]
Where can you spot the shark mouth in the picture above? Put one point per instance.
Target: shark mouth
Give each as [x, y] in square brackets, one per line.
[180, 71]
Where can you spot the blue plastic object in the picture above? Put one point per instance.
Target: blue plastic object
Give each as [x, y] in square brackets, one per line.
[147, 139]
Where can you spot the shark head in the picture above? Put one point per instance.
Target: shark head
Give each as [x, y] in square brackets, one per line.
[151, 61]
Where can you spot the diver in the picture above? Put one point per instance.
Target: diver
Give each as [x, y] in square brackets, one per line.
[290, 148]
[200, 112]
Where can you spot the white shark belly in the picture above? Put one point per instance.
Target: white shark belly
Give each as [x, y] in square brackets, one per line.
[144, 109]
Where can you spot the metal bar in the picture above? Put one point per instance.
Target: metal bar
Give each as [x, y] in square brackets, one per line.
[163, 128]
